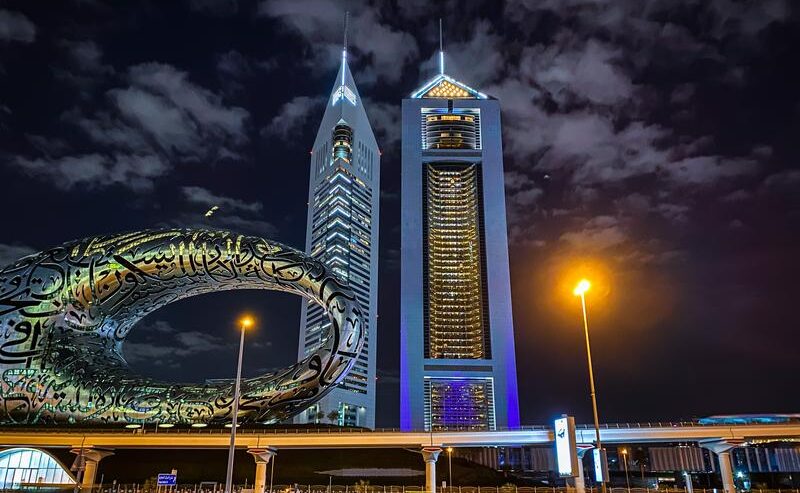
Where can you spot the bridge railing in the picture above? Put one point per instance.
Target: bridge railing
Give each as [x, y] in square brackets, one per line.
[272, 429]
[358, 488]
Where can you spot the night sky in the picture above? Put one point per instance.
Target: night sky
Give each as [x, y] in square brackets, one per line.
[650, 145]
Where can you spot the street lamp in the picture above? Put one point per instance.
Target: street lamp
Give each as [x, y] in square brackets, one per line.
[450, 466]
[580, 290]
[625, 462]
[245, 323]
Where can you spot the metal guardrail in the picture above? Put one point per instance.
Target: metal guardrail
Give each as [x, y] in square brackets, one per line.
[359, 488]
[264, 429]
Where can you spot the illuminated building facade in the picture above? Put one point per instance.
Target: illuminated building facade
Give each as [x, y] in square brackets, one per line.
[28, 466]
[457, 363]
[342, 232]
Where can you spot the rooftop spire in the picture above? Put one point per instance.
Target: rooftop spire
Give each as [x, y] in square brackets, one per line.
[346, 18]
[441, 48]
[344, 45]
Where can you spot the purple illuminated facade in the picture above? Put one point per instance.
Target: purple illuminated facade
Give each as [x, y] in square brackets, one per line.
[457, 363]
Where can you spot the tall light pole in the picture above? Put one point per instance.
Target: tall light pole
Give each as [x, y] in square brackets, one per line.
[625, 461]
[580, 290]
[450, 466]
[245, 322]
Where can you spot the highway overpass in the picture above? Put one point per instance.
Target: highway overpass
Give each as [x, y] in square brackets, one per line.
[262, 442]
[357, 438]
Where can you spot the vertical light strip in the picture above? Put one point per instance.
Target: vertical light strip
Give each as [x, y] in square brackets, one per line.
[441, 49]
[344, 62]
[344, 46]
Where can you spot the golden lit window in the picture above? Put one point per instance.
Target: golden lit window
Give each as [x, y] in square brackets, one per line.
[447, 90]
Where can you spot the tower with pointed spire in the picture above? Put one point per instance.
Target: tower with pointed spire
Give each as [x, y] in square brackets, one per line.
[457, 361]
[342, 231]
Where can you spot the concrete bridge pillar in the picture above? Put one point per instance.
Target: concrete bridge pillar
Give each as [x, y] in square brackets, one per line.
[262, 457]
[687, 480]
[429, 455]
[88, 460]
[723, 450]
[580, 480]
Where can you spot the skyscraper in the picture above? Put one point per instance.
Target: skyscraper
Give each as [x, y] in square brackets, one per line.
[457, 362]
[342, 231]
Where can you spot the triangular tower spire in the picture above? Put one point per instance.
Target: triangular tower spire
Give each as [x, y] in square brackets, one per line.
[345, 86]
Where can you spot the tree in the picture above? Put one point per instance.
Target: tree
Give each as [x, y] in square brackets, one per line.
[333, 416]
[320, 415]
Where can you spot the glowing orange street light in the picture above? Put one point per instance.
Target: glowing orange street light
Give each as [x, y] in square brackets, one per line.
[582, 287]
[625, 462]
[580, 290]
[450, 466]
[246, 322]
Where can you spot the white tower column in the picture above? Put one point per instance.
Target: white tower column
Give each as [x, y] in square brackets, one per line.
[91, 460]
[723, 450]
[430, 455]
[262, 456]
[580, 479]
[687, 480]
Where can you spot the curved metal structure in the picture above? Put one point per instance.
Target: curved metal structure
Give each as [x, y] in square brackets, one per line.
[65, 313]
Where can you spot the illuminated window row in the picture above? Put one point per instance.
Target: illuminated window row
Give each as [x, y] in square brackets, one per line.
[455, 318]
[453, 404]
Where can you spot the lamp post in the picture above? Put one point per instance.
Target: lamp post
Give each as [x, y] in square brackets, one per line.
[625, 462]
[245, 322]
[580, 290]
[450, 466]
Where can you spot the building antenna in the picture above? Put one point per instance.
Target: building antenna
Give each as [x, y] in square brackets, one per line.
[441, 48]
[344, 44]
[346, 21]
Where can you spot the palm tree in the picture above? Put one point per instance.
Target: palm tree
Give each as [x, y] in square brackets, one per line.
[320, 415]
[333, 416]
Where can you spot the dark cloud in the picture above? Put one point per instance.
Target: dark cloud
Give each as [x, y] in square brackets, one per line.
[189, 108]
[598, 233]
[385, 121]
[214, 7]
[87, 57]
[136, 172]
[231, 214]
[14, 26]
[164, 345]
[383, 48]
[236, 69]
[158, 119]
[200, 195]
[293, 116]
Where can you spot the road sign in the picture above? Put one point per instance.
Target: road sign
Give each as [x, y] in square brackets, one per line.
[566, 452]
[600, 465]
[167, 479]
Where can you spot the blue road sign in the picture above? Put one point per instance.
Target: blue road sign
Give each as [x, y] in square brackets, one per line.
[167, 479]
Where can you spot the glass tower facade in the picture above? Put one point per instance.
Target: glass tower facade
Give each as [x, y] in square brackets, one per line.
[457, 361]
[342, 231]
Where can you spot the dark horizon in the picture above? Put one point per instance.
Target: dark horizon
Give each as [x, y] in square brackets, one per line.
[651, 146]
